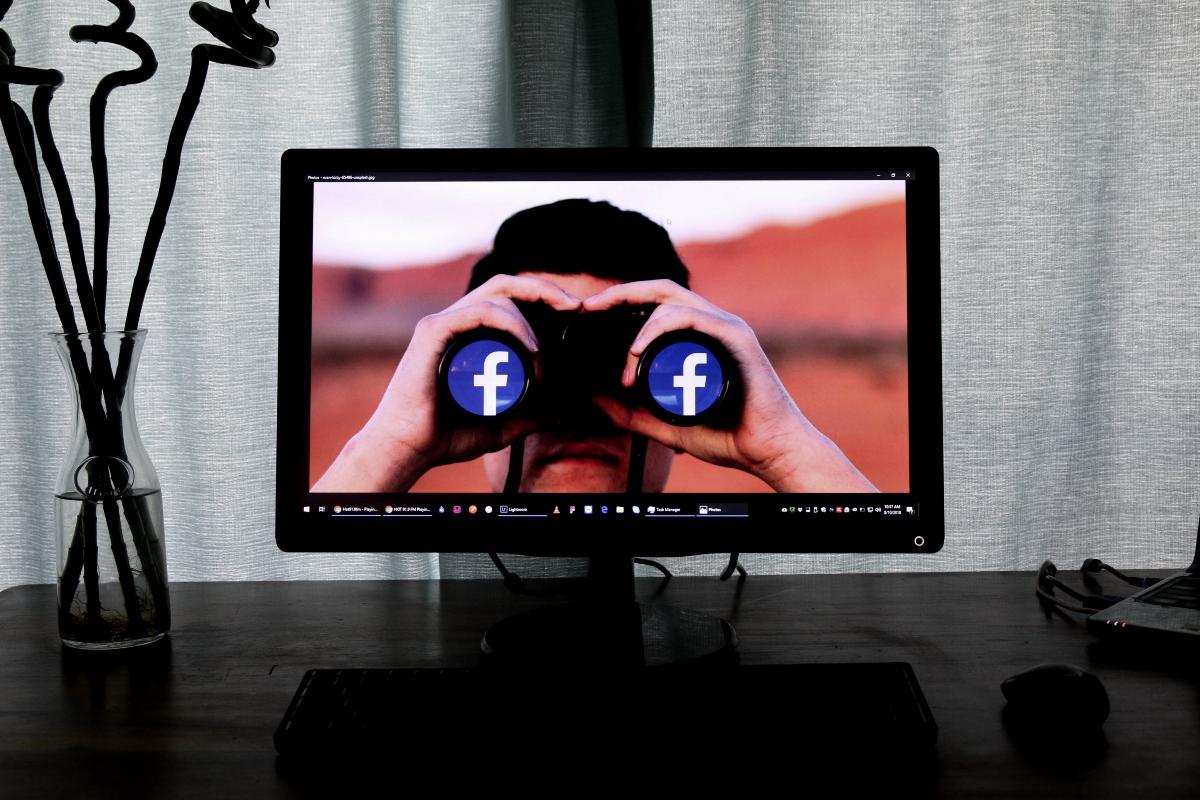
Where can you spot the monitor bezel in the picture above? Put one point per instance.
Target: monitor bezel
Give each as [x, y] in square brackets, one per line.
[297, 531]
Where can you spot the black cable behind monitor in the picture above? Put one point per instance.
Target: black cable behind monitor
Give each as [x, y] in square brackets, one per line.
[516, 460]
[733, 565]
[637, 465]
[633, 486]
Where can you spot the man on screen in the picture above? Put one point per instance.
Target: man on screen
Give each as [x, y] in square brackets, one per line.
[583, 256]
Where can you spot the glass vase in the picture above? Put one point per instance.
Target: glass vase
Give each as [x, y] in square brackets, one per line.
[112, 570]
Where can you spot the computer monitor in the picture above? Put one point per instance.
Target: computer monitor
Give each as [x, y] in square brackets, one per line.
[610, 353]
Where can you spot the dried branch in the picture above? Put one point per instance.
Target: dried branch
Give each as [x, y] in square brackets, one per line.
[112, 518]
[68, 582]
[246, 47]
[91, 561]
[137, 512]
[19, 134]
[66, 203]
[117, 33]
[243, 14]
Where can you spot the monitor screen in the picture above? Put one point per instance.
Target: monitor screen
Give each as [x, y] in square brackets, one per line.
[654, 352]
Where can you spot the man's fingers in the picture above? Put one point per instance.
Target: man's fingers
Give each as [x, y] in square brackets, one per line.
[490, 314]
[672, 318]
[643, 293]
[511, 307]
[525, 289]
[667, 318]
[639, 420]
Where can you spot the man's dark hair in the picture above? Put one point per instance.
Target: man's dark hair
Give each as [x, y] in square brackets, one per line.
[582, 236]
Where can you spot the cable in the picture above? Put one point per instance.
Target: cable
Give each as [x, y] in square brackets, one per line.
[733, 565]
[1043, 595]
[515, 584]
[512, 485]
[512, 581]
[516, 460]
[1096, 565]
[633, 485]
[637, 465]
[649, 562]
[1047, 583]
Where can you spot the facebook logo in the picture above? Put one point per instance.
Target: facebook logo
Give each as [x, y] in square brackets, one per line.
[486, 378]
[685, 378]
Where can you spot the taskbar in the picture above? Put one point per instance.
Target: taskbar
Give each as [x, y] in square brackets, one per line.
[548, 507]
[580, 524]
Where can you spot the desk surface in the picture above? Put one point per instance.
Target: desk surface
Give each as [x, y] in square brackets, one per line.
[196, 718]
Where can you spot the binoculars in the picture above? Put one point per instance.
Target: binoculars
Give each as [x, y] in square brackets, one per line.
[684, 377]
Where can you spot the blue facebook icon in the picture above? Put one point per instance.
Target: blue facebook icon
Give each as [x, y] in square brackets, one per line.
[486, 378]
[685, 378]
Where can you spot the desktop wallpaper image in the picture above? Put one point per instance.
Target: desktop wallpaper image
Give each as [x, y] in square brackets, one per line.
[816, 268]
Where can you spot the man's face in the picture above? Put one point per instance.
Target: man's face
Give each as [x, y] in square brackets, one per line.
[591, 460]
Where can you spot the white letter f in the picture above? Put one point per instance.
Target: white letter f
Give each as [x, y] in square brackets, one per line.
[490, 380]
[689, 381]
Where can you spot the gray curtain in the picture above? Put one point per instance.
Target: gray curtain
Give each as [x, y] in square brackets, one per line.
[1070, 301]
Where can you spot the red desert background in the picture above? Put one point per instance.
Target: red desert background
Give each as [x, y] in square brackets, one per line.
[826, 299]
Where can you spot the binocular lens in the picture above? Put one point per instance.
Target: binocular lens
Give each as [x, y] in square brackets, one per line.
[486, 375]
[686, 376]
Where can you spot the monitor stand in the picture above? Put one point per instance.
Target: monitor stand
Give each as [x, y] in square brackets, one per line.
[607, 627]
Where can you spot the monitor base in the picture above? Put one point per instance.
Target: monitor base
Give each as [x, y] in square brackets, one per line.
[589, 635]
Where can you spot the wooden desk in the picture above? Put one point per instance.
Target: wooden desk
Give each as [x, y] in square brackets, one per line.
[195, 718]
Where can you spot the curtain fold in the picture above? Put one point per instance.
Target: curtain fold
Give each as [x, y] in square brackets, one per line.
[1071, 306]
[1070, 299]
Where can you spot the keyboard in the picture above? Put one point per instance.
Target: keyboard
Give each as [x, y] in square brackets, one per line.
[1180, 592]
[787, 709]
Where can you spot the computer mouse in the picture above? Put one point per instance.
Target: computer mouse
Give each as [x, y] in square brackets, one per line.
[1054, 697]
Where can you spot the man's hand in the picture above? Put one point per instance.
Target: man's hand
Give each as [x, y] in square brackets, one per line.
[772, 440]
[402, 440]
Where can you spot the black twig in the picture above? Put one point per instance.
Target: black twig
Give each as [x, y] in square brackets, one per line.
[19, 134]
[117, 33]
[15, 121]
[102, 423]
[68, 582]
[243, 50]
[70, 219]
[105, 423]
[116, 538]
[166, 192]
[150, 554]
[243, 15]
[12, 119]
[91, 575]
